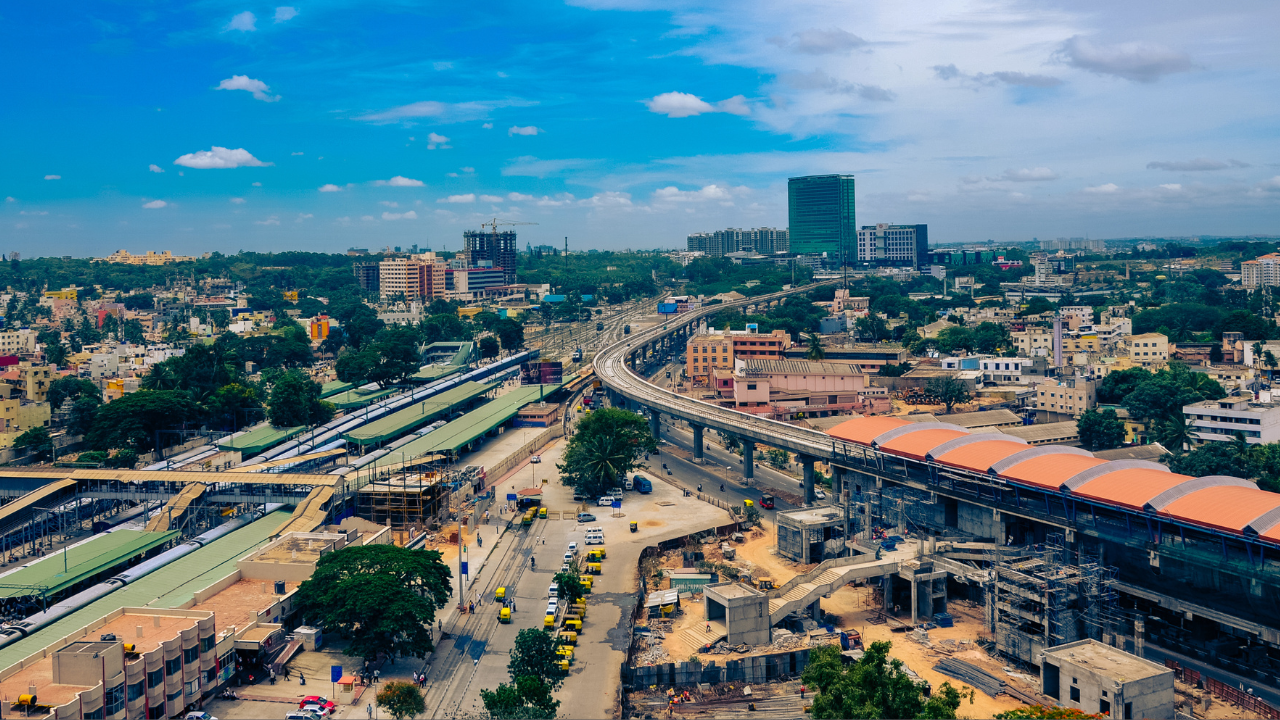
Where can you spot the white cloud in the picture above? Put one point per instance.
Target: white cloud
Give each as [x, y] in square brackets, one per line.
[1025, 79]
[330, 187]
[52, 177]
[1266, 186]
[11, 199]
[244, 22]
[467, 169]
[513, 197]
[255, 184]
[296, 153]
[259, 89]
[410, 215]
[607, 199]
[400, 181]
[468, 198]
[237, 201]
[526, 130]
[368, 217]
[1106, 188]
[33, 212]
[443, 112]
[303, 216]
[219, 158]
[273, 220]
[1139, 62]
[155, 204]
[441, 65]
[491, 198]
[487, 126]
[673, 194]
[1175, 187]
[559, 200]
[155, 168]
[681, 104]
[434, 140]
[820, 42]
[1030, 175]
[1196, 165]
[285, 13]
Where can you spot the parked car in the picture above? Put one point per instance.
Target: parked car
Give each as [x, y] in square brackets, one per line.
[586, 517]
[317, 700]
[553, 591]
[301, 715]
[605, 501]
[819, 494]
[318, 710]
[552, 607]
[199, 716]
[573, 548]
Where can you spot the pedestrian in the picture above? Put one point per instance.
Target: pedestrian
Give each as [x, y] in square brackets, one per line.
[376, 675]
[708, 627]
[273, 676]
[369, 709]
[472, 609]
[288, 673]
[802, 690]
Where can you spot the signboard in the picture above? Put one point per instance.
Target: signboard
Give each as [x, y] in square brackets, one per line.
[335, 673]
[668, 308]
[511, 497]
[753, 327]
[541, 373]
[616, 504]
[462, 569]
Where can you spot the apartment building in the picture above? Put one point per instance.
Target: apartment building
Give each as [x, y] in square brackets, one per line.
[367, 275]
[706, 352]
[1221, 420]
[893, 245]
[1263, 271]
[164, 257]
[1149, 350]
[1066, 399]
[17, 342]
[1035, 341]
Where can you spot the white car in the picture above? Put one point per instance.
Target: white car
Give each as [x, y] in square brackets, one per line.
[552, 607]
[199, 716]
[819, 494]
[568, 558]
[573, 548]
[564, 567]
[319, 710]
[605, 501]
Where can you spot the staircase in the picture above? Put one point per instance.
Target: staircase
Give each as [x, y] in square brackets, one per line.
[172, 515]
[828, 577]
[697, 636]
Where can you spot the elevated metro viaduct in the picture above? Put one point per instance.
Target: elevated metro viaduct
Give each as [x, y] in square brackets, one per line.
[1198, 556]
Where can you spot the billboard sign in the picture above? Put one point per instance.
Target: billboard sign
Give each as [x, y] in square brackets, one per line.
[541, 373]
[668, 308]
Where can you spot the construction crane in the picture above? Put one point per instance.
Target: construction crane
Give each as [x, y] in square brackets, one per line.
[493, 226]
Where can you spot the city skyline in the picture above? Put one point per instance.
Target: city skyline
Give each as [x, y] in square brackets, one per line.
[627, 123]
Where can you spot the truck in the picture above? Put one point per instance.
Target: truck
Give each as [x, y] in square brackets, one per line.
[643, 486]
[629, 484]
[626, 329]
[577, 355]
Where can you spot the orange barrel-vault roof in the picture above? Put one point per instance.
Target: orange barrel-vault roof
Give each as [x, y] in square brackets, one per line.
[865, 429]
[1050, 471]
[981, 455]
[1130, 487]
[1223, 508]
[918, 444]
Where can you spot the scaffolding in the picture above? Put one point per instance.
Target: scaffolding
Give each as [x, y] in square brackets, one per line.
[418, 500]
[1037, 600]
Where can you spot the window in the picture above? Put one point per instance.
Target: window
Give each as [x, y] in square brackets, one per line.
[191, 654]
[155, 678]
[173, 666]
[751, 386]
[1075, 692]
[113, 699]
[193, 687]
[206, 643]
[1104, 707]
[93, 715]
[135, 691]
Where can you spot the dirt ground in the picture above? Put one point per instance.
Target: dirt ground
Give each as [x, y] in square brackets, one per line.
[759, 552]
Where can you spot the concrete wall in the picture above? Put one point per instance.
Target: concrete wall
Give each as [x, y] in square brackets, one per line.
[755, 669]
[746, 614]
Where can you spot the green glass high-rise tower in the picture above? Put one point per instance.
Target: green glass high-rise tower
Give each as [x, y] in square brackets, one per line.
[820, 208]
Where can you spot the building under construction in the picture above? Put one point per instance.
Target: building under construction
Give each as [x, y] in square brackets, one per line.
[498, 248]
[418, 499]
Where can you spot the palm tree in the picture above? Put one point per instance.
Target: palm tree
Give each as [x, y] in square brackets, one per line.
[161, 377]
[815, 347]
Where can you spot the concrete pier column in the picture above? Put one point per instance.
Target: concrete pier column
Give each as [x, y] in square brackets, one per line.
[748, 459]
[697, 441]
[655, 425]
[886, 583]
[807, 464]
[915, 601]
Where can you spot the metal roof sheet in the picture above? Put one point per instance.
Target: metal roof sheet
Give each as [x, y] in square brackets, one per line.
[1050, 471]
[918, 444]
[263, 437]
[452, 436]
[82, 562]
[865, 429]
[398, 423]
[1130, 487]
[980, 456]
[1227, 508]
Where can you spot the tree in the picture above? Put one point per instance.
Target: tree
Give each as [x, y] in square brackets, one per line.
[139, 301]
[488, 346]
[874, 687]
[135, 420]
[815, 351]
[571, 589]
[949, 391]
[295, 400]
[1215, 458]
[535, 672]
[871, 327]
[37, 440]
[401, 699]
[510, 334]
[230, 405]
[55, 354]
[1160, 399]
[605, 448]
[384, 597]
[779, 458]
[70, 388]
[1100, 430]
[1269, 359]
[989, 337]
[131, 331]
[396, 356]
[83, 412]
[1116, 386]
[1037, 305]
[892, 370]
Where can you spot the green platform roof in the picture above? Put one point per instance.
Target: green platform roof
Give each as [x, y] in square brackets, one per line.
[460, 432]
[417, 415]
[359, 398]
[82, 562]
[431, 373]
[261, 437]
[188, 574]
[333, 387]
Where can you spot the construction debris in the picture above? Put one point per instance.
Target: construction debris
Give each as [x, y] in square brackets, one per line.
[971, 675]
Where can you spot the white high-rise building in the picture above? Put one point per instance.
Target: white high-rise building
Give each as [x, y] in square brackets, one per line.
[1261, 272]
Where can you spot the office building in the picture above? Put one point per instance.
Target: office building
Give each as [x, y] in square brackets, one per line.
[821, 216]
[1067, 399]
[418, 277]
[498, 248]
[709, 351]
[366, 275]
[471, 283]
[883, 244]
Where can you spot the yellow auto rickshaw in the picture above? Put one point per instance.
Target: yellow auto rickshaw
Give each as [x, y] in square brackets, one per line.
[500, 594]
[593, 568]
[542, 513]
[565, 652]
[549, 622]
[579, 608]
[634, 526]
[572, 623]
[595, 555]
[586, 581]
[748, 504]
[564, 664]
[568, 637]
[504, 615]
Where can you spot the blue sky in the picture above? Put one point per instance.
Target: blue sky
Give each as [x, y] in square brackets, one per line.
[229, 125]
